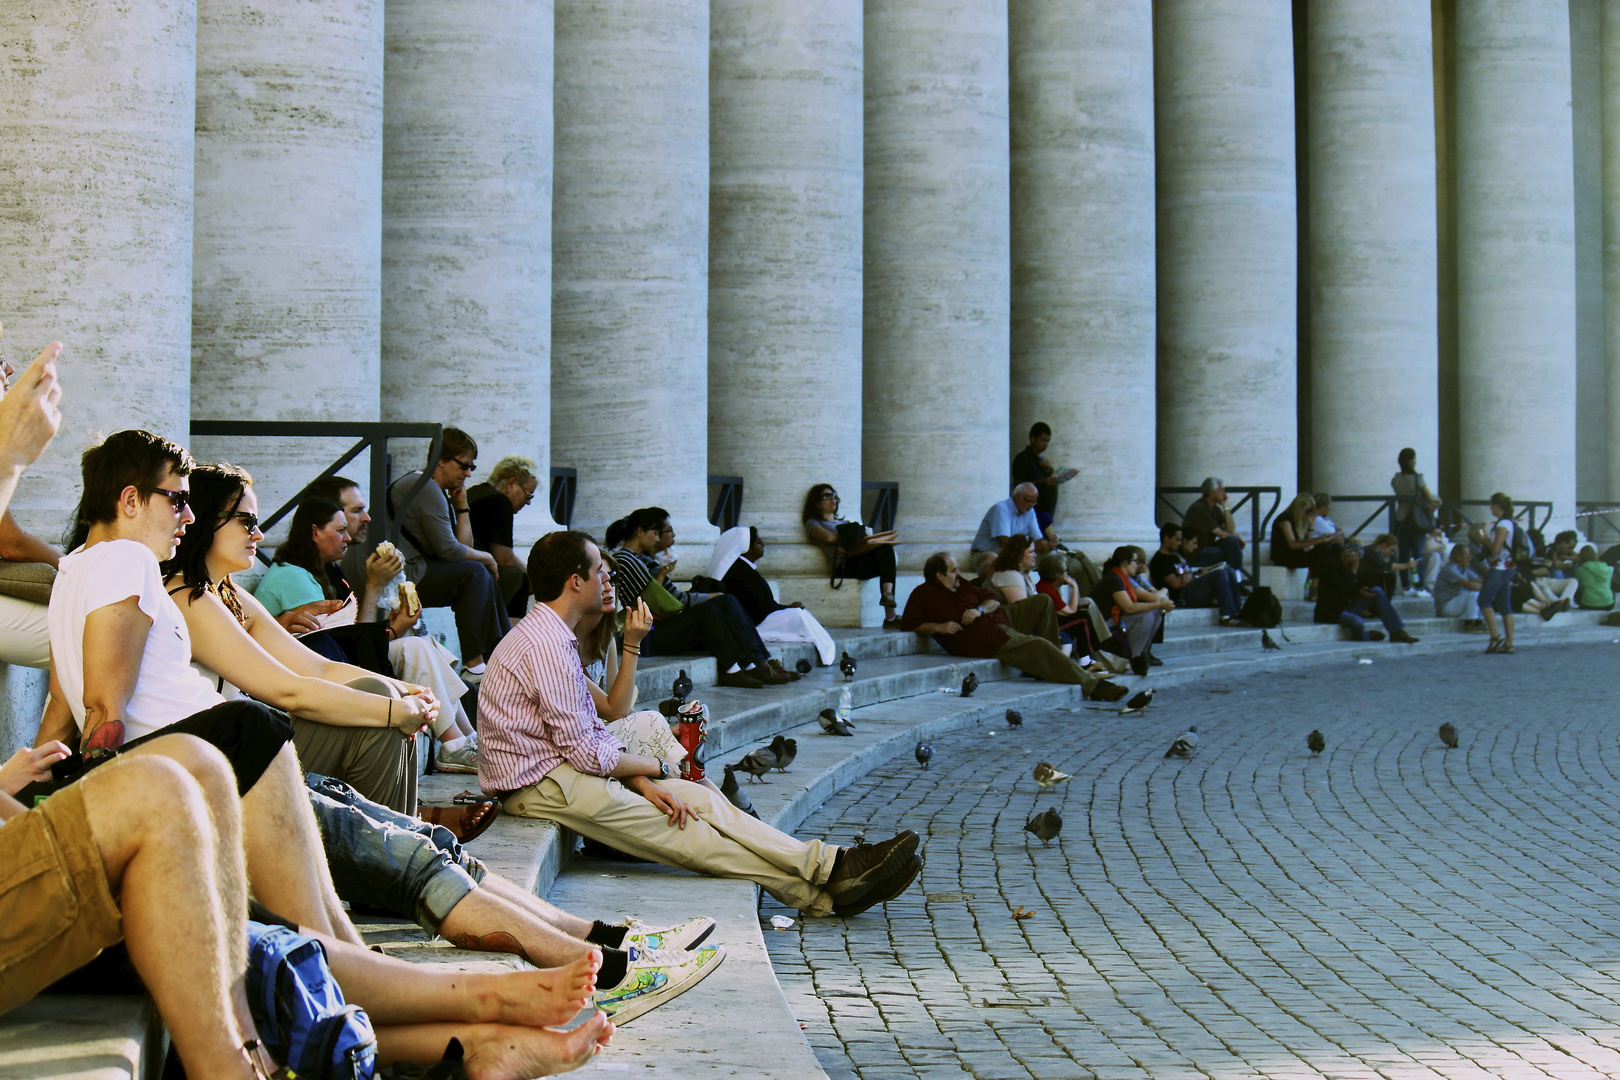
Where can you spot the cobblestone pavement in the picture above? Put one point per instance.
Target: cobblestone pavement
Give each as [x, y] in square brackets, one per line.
[1389, 909]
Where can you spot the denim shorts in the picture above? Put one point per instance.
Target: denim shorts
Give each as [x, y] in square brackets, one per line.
[1497, 592]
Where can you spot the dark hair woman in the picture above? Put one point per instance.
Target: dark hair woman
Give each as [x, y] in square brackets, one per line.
[1135, 620]
[852, 550]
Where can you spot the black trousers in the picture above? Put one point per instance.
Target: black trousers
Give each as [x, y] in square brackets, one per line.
[877, 563]
[471, 590]
[717, 626]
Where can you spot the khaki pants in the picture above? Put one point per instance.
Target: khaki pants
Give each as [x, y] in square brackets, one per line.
[724, 842]
[378, 762]
[1032, 643]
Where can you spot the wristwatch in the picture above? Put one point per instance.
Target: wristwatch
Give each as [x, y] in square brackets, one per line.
[663, 769]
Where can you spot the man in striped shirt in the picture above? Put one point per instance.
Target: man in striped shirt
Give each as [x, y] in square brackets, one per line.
[546, 754]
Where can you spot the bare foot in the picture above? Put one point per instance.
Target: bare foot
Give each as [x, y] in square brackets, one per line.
[548, 996]
[495, 1052]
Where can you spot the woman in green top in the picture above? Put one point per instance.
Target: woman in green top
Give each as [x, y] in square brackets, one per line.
[316, 540]
[1596, 578]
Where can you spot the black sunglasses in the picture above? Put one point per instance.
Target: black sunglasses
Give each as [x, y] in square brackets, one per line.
[178, 499]
[470, 466]
[250, 520]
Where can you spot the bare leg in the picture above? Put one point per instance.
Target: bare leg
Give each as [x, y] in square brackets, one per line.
[571, 925]
[285, 861]
[1489, 615]
[155, 834]
[395, 992]
[497, 1053]
[485, 920]
[1507, 625]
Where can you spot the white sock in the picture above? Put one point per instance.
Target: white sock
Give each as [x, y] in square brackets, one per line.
[455, 744]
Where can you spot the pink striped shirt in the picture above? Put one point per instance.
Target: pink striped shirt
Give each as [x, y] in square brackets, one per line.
[534, 712]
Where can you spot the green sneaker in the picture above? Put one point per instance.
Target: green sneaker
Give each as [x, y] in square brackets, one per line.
[654, 978]
[679, 938]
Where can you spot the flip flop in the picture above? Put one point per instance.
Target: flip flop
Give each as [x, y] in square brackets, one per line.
[468, 819]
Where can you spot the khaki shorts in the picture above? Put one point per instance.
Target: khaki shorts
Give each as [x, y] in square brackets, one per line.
[56, 913]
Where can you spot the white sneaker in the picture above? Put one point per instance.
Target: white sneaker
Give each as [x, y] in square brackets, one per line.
[655, 977]
[675, 939]
[464, 760]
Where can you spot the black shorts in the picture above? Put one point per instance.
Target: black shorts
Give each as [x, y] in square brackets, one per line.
[249, 733]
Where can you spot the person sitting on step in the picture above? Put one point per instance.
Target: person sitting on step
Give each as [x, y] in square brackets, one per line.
[853, 551]
[494, 504]
[1136, 614]
[1343, 597]
[734, 565]
[547, 754]
[1209, 519]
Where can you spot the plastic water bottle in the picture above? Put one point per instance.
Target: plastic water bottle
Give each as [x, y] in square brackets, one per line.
[845, 704]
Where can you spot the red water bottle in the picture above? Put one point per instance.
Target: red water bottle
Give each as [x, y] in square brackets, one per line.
[691, 728]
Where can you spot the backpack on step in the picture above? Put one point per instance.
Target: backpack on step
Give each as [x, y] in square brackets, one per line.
[299, 1009]
[1262, 608]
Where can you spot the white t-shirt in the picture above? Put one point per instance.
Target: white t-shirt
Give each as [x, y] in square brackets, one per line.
[1503, 560]
[167, 688]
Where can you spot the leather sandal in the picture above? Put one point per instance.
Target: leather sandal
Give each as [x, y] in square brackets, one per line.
[468, 819]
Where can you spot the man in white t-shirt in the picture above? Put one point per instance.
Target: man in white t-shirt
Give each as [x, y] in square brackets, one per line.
[121, 670]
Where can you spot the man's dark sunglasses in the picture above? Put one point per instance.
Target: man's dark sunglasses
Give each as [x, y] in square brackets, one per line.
[250, 520]
[178, 499]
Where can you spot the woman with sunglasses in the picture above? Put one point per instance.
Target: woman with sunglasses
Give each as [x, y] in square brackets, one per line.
[871, 556]
[361, 733]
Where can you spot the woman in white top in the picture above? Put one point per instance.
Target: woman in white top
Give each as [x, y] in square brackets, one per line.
[1496, 595]
[1011, 571]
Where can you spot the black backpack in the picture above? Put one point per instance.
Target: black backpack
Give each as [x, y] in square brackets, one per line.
[1262, 608]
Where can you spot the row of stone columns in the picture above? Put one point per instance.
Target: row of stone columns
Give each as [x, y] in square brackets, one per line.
[675, 237]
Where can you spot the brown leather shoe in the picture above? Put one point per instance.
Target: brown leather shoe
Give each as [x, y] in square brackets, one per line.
[862, 865]
[776, 668]
[769, 676]
[1106, 691]
[880, 891]
[740, 680]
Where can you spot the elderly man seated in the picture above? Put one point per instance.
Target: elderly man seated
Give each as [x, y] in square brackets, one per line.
[967, 621]
[548, 755]
[1211, 522]
[1012, 516]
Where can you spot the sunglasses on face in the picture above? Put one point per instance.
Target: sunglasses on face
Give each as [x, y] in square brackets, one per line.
[251, 521]
[470, 466]
[177, 499]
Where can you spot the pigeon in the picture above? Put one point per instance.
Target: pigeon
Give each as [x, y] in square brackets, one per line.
[970, 684]
[1267, 644]
[1048, 777]
[757, 764]
[736, 795]
[846, 664]
[1448, 735]
[1185, 743]
[925, 754]
[1138, 702]
[785, 750]
[683, 685]
[671, 707]
[1046, 826]
[803, 667]
[831, 724]
[1015, 718]
[1315, 742]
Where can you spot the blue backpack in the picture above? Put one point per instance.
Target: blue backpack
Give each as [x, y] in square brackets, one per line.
[299, 1009]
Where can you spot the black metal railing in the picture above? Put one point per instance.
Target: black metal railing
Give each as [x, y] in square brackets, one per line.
[1536, 513]
[884, 496]
[727, 493]
[373, 437]
[1596, 514]
[1455, 512]
[1259, 523]
[564, 488]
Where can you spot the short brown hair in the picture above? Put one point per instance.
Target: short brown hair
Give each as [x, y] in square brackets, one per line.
[555, 558]
[124, 459]
[454, 442]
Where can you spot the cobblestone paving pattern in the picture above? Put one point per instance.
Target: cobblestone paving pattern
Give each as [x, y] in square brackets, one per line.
[1389, 909]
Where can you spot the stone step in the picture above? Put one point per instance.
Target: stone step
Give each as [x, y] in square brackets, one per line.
[79, 1037]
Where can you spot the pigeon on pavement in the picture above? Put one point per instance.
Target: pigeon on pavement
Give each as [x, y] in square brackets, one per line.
[1267, 644]
[846, 664]
[1015, 718]
[1138, 702]
[757, 764]
[1048, 777]
[1316, 742]
[784, 750]
[683, 685]
[1448, 735]
[736, 795]
[925, 754]
[1185, 743]
[1046, 826]
[831, 724]
[970, 684]
[803, 667]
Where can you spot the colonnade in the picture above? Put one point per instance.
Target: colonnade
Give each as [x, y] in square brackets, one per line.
[660, 239]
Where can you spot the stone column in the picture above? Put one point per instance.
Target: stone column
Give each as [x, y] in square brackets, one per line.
[1516, 252]
[1591, 355]
[1610, 64]
[785, 260]
[937, 288]
[1374, 361]
[630, 221]
[1228, 275]
[288, 213]
[96, 115]
[466, 248]
[1083, 309]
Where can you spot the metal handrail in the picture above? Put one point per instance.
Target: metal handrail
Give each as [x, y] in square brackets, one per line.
[1250, 496]
[564, 489]
[727, 511]
[1451, 510]
[1599, 510]
[373, 436]
[885, 504]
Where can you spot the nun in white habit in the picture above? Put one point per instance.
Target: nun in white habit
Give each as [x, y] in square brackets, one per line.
[733, 564]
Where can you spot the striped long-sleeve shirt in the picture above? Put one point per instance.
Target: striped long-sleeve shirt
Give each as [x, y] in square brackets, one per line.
[534, 712]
